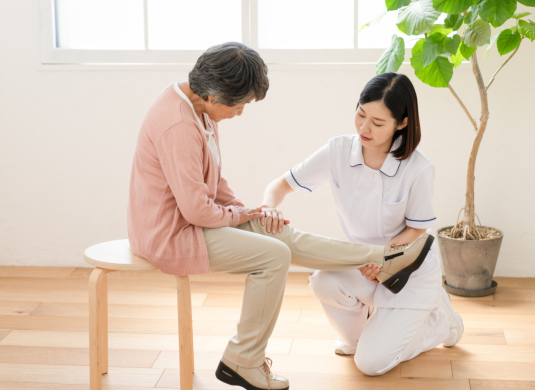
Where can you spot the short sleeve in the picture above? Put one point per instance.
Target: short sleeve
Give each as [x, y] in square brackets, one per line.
[420, 213]
[310, 174]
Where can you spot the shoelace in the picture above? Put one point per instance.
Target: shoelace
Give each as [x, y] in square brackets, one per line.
[267, 368]
[396, 247]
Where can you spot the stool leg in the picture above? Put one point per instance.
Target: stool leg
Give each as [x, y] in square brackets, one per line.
[98, 327]
[185, 333]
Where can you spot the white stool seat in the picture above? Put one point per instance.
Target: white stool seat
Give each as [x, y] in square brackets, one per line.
[115, 255]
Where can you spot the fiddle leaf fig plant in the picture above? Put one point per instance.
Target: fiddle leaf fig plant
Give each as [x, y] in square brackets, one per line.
[448, 33]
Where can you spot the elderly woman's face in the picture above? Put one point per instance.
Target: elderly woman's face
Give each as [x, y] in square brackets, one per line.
[220, 111]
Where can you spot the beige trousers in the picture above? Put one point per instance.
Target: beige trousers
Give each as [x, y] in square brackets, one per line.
[249, 249]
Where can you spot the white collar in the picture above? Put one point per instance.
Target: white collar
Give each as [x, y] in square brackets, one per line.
[391, 164]
[181, 93]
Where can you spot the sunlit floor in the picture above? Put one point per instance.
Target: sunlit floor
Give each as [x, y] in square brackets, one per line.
[44, 336]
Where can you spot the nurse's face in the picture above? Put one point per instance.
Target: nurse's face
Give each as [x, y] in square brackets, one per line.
[376, 126]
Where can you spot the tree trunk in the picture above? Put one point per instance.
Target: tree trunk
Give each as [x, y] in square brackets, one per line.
[467, 229]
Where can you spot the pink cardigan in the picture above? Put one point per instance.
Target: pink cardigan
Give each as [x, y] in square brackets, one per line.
[176, 189]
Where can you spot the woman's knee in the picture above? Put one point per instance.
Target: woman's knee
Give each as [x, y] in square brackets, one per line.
[373, 363]
[280, 255]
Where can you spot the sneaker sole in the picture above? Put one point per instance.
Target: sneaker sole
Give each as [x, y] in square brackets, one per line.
[340, 352]
[396, 282]
[227, 375]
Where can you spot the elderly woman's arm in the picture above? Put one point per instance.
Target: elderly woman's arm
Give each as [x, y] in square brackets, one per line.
[274, 194]
[180, 152]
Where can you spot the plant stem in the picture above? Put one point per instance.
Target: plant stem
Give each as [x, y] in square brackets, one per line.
[469, 226]
[500, 68]
[464, 107]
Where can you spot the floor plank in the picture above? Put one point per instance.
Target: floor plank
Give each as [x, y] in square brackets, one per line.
[482, 384]
[17, 308]
[77, 375]
[494, 370]
[74, 356]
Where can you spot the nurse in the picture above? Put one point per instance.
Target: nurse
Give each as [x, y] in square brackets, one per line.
[382, 186]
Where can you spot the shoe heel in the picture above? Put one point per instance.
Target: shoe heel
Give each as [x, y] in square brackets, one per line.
[226, 375]
[396, 282]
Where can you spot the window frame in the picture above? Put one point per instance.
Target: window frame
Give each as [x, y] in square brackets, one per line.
[50, 56]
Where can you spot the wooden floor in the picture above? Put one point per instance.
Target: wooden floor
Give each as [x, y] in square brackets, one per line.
[44, 336]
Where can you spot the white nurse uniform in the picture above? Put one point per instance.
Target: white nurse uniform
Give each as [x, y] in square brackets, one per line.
[374, 206]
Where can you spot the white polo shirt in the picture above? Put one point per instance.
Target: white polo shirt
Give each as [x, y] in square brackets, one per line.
[374, 206]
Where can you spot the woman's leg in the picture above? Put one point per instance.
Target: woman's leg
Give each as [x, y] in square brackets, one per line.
[346, 298]
[392, 336]
[319, 252]
[266, 261]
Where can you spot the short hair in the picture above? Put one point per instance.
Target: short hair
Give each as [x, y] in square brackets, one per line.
[397, 93]
[231, 72]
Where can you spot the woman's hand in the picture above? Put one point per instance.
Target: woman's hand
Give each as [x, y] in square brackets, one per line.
[273, 220]
[247, 214]
[370, 271]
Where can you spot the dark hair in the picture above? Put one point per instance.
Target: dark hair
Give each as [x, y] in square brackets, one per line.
[397, 93]
[232, 72]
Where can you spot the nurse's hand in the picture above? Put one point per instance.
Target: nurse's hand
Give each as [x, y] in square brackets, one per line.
[273, 220]
[370, 271]
[247, 214]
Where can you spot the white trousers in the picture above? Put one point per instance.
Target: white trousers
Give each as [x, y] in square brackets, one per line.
[390, 335]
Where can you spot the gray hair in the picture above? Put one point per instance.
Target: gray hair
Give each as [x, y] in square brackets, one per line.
[231, 72]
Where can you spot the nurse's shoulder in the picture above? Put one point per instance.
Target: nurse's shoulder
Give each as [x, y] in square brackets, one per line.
[418, 163]
[342, 143]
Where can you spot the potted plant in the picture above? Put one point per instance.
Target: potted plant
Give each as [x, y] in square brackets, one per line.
[469, 252]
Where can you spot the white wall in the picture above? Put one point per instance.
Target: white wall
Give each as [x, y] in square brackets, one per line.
[67, 140]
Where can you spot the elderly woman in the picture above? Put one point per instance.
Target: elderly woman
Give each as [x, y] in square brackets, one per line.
[184, 218]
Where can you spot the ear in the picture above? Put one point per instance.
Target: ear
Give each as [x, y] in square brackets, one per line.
[403, 124]
[210, 99]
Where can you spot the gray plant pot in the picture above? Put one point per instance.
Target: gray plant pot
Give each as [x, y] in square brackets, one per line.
[469, 265]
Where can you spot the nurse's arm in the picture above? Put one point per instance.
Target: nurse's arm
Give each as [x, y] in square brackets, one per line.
[274, 194]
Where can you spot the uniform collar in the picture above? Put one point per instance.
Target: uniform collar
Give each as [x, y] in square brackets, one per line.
[390, 166]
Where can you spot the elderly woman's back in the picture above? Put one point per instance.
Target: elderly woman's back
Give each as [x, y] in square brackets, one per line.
[176, 187]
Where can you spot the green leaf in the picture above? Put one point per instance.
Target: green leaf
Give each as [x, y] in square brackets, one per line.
[529, 3]
[477, 34]
[433, 47]
[491, 43]
[497, 12]
[453, 21]
[393, 57]
[439, 28]
[470, 17]
[453, 6]
[521, 15]
[417, 18]
[457, 58]
[393, 5]
[527, 29]
[437, 74]
[508, 41]
[467, 51]
[451, 45]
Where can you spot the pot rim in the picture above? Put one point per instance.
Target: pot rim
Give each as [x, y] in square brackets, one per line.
[457, 239]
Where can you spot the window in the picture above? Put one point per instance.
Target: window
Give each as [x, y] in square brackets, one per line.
[178, 31]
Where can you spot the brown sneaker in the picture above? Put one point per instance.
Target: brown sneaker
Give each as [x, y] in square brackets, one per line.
[257, 378]
[402, 260]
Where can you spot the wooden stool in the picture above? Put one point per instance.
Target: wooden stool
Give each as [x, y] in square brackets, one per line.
[113, 256]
